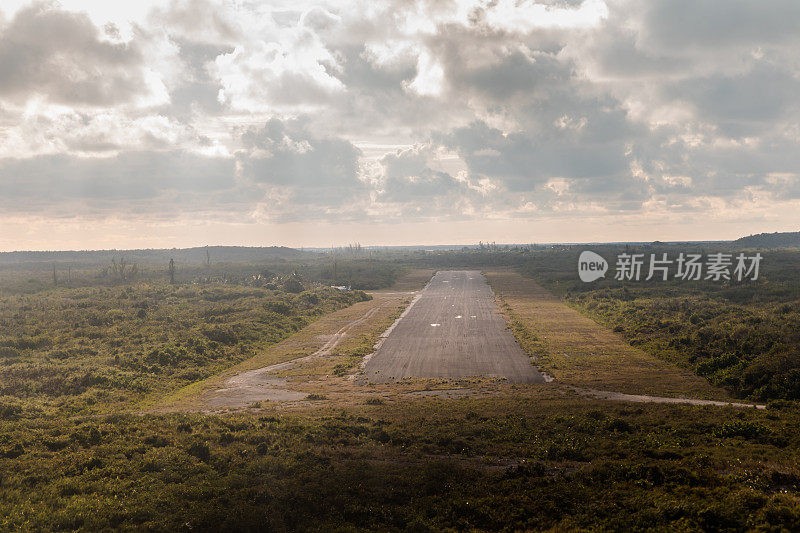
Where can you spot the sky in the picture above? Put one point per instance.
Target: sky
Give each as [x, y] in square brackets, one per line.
[193, 122]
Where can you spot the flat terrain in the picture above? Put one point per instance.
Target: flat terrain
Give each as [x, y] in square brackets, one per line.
[577, 351]
[308, 445]
[282, 371]
[452, 330]
[320, 358]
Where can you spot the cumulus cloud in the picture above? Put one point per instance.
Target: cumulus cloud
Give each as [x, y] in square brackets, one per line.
[377, 112]
[287, 67]
[63, 57]
[299, 171]
[199, 21]
[407, 177]
[286, 153]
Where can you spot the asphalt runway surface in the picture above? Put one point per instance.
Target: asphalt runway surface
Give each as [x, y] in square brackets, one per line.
[453, 330]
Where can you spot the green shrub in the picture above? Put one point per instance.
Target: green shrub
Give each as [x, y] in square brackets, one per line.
[10, 411]
[200, 450]
[7, 352]
[741, 428]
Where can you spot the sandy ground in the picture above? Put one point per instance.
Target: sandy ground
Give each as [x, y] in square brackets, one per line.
[644, 398]
[260, 384]
[452, 330]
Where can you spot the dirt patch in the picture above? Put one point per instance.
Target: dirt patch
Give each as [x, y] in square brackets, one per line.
[250, 387]
[643, 398]
[261, 384]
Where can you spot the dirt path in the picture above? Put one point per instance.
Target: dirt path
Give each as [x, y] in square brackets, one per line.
[643, 398]
[257, 385]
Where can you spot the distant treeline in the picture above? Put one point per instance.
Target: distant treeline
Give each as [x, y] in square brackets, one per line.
[197, 255]
[770, 240]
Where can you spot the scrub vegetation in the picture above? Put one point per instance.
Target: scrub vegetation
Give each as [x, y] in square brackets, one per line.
[577, 351]
[95, 349]
[744, 336]
[526, 459]
[87, 367]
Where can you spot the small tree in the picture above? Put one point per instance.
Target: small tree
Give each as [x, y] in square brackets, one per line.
[172, 271]
[293, 283]
[118, 269]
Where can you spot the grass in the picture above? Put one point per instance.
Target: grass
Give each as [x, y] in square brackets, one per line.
[576, 350]
[741, 336]
[99, 349]
[423, 455]
[413, 280]
[382, 310]
[525, 458]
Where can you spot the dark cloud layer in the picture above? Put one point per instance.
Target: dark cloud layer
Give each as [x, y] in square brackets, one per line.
[408, 178]
[721, 23]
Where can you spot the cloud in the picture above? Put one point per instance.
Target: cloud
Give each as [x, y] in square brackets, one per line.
[720, 24]
[200, 21]
[743, 104]
[286, 153]
[63, 57]
[526, 16]
[301, 172]
[429, 78]
[407, 177]
[143, 182]
[280, 67]
[379, 112]
[522, 160]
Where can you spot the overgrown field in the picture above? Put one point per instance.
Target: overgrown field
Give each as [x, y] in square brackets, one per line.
[742, 336]
[577, 351]
[81, 366]
[99, 348]
[526, 459]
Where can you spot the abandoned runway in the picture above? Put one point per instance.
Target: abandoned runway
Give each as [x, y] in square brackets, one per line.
[452, 330]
